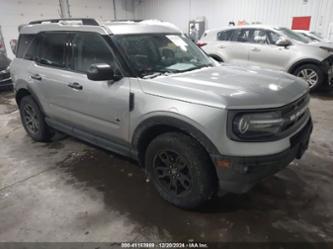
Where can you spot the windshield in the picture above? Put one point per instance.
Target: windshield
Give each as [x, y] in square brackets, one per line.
[161, 53]
[293, 35]
[316, 35]
[311, 37]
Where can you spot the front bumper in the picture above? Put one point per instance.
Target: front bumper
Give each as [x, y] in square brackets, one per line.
[240, 174]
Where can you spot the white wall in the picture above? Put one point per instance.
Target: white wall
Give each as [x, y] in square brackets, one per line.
[219, 12]
[15, 13]
[102, 9]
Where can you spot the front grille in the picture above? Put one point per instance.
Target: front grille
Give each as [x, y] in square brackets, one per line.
[295, 113]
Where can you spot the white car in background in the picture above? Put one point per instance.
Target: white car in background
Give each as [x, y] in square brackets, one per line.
[316, 39]
[277, 48]
[312, 36]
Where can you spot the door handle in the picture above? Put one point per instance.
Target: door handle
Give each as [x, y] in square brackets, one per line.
[36, 77]
[255, 49]
[75, 85]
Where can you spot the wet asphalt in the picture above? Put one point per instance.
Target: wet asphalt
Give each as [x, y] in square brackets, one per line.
[68, 190]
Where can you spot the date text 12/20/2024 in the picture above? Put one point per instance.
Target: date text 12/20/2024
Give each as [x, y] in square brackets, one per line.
[163, 245]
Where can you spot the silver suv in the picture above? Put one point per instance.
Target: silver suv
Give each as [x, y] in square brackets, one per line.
[144, 90]
[271, 47]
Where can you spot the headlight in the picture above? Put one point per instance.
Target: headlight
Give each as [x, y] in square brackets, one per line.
[268, 124]
[257, 126]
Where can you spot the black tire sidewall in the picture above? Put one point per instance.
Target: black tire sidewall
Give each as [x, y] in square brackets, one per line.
[203, 177]
[317, 69]
[43, 133]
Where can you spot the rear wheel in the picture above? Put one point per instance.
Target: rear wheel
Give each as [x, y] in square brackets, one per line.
[312, 74]
[181, 170]
[33, 120]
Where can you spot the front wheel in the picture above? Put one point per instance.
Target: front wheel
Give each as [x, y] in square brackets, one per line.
[181, 170]
[312, 74]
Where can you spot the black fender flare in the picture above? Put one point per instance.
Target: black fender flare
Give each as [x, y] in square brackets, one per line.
[32, 94]
[145, 126]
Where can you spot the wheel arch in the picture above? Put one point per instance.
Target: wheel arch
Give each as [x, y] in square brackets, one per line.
[22, 92]
[302, 62]
[152, 127]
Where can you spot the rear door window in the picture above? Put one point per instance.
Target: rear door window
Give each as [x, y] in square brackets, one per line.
[52, 51]
[241, 35]
[225, 35]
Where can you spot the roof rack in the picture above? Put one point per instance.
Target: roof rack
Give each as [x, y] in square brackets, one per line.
[85, 21]
[126, 20]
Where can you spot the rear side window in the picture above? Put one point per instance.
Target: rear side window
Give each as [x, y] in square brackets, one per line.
[241, 35]
[89, 48]
[24, 43]
[52, 49]
[225, 35]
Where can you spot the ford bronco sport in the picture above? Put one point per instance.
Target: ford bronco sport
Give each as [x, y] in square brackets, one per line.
[144, 90]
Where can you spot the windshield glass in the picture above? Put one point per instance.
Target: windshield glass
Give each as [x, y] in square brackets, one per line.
[317, 35]
[293, 35]
[312, 38]
[161, 53]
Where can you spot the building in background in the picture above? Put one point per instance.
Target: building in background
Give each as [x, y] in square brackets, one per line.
[218, 13]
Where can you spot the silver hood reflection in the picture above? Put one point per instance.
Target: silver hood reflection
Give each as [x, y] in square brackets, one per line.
[228, 86]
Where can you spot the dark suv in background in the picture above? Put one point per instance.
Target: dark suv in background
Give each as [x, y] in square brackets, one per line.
[5, 79]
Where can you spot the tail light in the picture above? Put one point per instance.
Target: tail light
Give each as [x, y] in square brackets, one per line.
[200, 44]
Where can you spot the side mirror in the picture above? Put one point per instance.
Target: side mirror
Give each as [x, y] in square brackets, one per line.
[13, 45]
[102, 71]
[283, 42]
[214, 61]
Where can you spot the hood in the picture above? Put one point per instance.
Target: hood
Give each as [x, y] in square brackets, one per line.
[328, 45]
[228, 86]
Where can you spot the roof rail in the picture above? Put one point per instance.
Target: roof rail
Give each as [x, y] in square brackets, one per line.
[126, 20]
[85, 21]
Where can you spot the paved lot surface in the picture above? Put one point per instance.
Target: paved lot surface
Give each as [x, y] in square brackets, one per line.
[70, 191]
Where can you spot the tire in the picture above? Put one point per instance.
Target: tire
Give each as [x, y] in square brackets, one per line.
[305, 72]
[181, 170]
[33, 120]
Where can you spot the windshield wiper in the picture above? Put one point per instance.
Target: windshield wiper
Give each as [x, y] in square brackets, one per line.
[197, 67]
[155, 74]
[152, 75]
